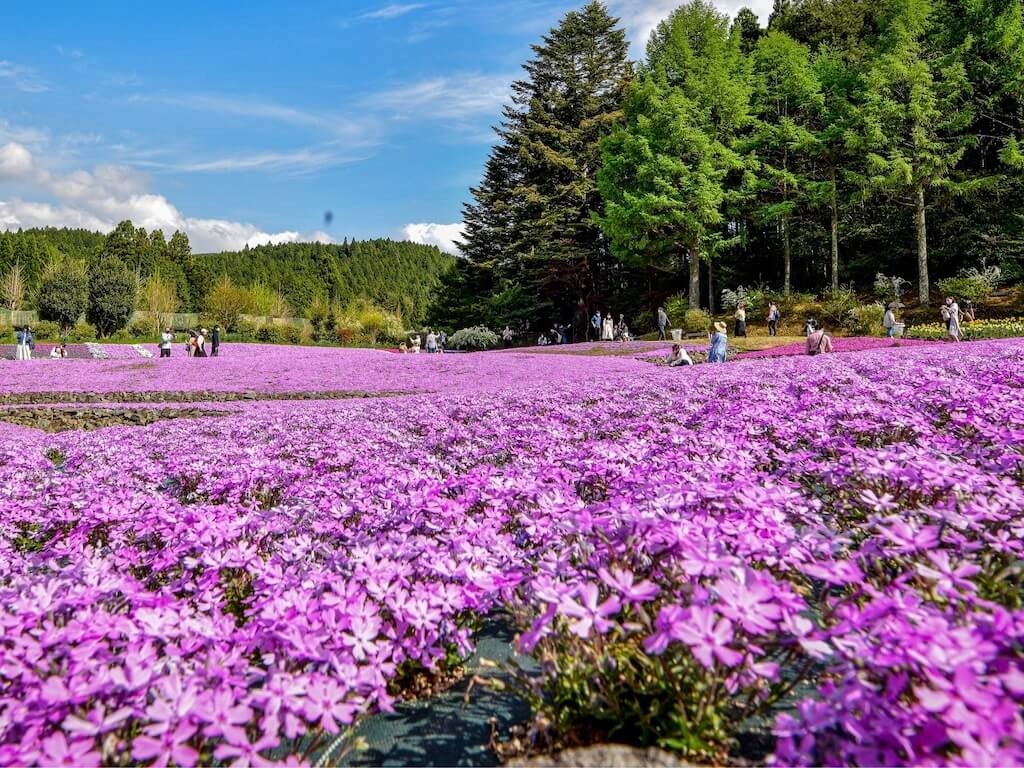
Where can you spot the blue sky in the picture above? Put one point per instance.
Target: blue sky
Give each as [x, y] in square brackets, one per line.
[246, 121]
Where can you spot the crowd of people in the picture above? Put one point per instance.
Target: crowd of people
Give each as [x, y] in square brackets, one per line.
[195, 344]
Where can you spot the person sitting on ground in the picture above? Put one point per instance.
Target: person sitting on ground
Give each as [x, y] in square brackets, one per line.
[819, 342]
[968, 313]
[403, 349]
[678, 356]
[59, 352]
[719, 344]
[542, 340]
[810, 326]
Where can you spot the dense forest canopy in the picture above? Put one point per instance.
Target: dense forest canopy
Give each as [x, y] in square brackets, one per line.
[397, 276]
[844, 139]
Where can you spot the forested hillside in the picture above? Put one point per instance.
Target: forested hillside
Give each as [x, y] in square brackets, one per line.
[398, 276]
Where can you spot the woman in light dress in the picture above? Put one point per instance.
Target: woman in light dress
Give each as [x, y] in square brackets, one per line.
[952, 309]
[608, 328]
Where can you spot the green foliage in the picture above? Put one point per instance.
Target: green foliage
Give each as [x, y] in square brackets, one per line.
[322, 319]
[82, 332]
[753, 299]
[477, 338]
[63, 294]
[838, 306]
[680, 315]
[889, 288]
[46, 330]
[141, 329]
[865, 320]
[972, 284]
[111, 295]
[226, 302]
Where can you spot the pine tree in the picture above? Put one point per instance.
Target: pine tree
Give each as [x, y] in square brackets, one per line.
[532, 220]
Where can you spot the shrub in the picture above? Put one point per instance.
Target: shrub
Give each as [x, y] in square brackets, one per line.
[890, 288]
[245, 330]
[322, 320]
[46, 330]
[865, 320]
[695, 321]
[838, 306]
[268, 335]
[476, 338]
[971, 284]
[289, 334]
[82, 332]
[141, 329]
[754, 299]
[64, 293]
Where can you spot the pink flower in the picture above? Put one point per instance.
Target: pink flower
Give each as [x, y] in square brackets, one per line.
[590, 614]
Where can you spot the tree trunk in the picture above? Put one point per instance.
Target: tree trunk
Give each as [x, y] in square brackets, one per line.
[787, 256]
[694, 278]
[711, 289]
[835, 234]
[922, 248]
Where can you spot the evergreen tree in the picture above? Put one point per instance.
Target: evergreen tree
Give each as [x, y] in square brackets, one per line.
[665, 171]
[786, 100]
[532, 220]
[111, 295]
[916, 115]
[748, 28]
[64, 293]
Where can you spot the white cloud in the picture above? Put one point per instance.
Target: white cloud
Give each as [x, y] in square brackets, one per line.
[352, 131]
[452, 97]
[15, 161]
[297, 161]
[392, 11]
[100, 198]
[640, 17]
[23, 78]
[444, 236]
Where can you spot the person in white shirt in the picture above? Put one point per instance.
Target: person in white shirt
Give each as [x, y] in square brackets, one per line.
[59, 352]
[678, 356]
[414, 344]
[166, 339]
[431, 342]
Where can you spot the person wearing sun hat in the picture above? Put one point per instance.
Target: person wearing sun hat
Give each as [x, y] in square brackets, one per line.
[719, 342]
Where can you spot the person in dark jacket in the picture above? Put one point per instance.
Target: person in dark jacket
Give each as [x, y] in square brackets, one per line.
[215, 342]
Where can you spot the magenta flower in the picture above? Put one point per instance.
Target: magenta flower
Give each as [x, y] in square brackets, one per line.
[57, 750]
[589, 613]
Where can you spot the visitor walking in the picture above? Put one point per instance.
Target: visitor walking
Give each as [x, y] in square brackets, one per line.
[215, 342]
[595, 325]
[678, 356]
[889, 322]
[431, 342]
[773, 320]
[741, 320]
[719, 344]
[818, 342]
[953, 322]
[166, 339]
[608, 328]
[662, 323]
[506, 336]
[24, 343]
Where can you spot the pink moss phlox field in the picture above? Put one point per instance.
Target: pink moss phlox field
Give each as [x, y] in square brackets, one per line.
[839, 344]
[216, 588]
